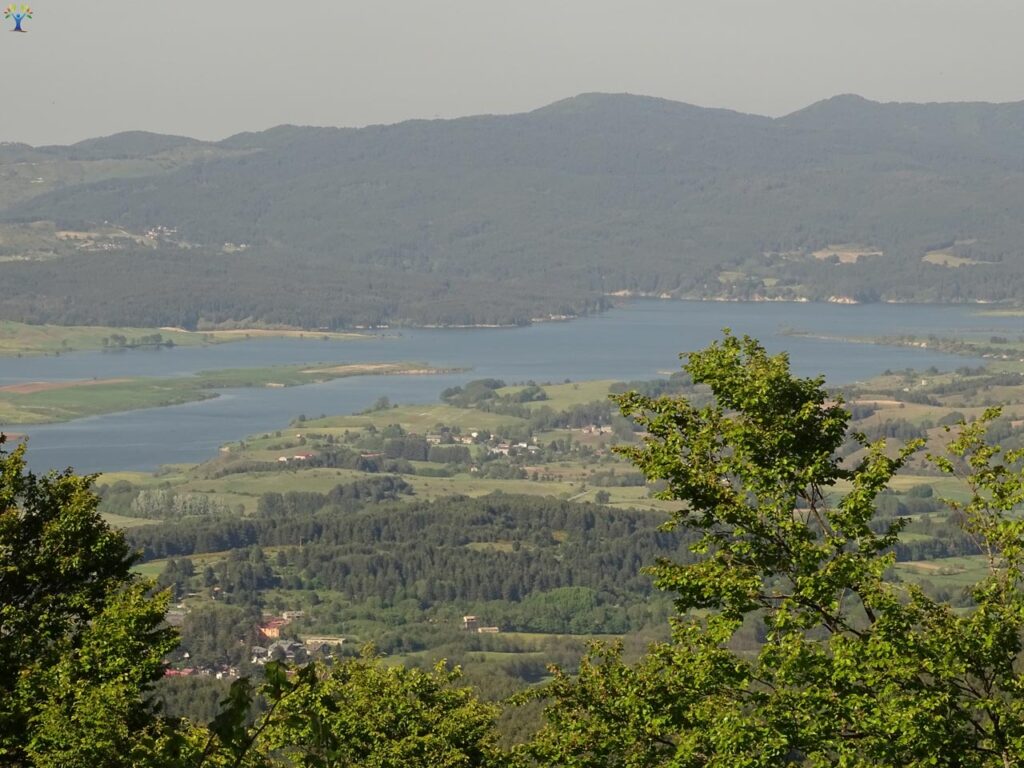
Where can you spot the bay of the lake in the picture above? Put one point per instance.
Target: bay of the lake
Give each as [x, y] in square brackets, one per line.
[641, 340]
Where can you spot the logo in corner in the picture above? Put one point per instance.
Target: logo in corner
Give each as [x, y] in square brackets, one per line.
[18, 13]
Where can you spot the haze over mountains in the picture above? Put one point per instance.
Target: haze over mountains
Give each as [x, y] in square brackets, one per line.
[503, 219]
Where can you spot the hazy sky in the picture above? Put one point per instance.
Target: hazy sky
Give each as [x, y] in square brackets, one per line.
[210, 69]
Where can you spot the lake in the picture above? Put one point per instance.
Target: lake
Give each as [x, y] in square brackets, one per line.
[641, 340]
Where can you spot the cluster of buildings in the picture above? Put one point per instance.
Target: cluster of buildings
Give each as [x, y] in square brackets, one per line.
[305, 456]
[285, 649]
[282, 650]
[220, 673]
[506, 449]
[472, 624]
[270, 628]
[435, 438]
[161, 231]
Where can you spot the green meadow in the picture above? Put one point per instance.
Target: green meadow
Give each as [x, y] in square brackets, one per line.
[22, 339]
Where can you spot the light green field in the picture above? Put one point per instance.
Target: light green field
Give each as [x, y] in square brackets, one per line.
[44, 402]
[246, 488]
[947, 259]
[170, 473]
[150, 570]
[944, 486]
[564, 396]
[731, 276]
[154, 568]
[950, 572]
[120, 521]
[1001, 312]
[416, 418]
[20, 339]
[847, 253]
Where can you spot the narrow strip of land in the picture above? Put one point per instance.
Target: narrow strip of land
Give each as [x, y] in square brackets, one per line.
[25, 340]
[40, 402]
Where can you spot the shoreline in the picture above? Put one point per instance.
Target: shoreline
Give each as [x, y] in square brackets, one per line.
[54, 340]
[998, 307]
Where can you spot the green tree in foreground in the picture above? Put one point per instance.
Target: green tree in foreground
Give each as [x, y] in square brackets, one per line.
[855, 669]
[358, 712]
[80, 639]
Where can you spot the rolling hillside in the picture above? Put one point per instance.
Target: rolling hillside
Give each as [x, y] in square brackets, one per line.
[504, 219]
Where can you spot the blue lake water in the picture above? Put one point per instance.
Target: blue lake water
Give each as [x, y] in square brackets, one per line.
[639, 341]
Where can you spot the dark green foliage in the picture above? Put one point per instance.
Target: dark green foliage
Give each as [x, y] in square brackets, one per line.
[219, 634]
[442, 552]
[448, 454]
[358, 713]
[196, 697]
[409, 448]
[80, 640]
[473, 393]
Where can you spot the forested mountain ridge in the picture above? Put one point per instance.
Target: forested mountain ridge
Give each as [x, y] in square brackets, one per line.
[502, 219]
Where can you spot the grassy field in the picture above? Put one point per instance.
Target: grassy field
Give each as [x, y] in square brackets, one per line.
[947, 259]
[41, 402]
[169, 474]
[20, 339]
[154, 568]
[245, 488]
[120, 521]
[949, 572]
[847, 253]
[564, 396]
[416, 418]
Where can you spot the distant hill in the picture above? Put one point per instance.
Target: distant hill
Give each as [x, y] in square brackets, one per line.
[511, 218]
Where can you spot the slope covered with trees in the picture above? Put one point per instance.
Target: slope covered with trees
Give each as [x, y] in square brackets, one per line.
[509, 218]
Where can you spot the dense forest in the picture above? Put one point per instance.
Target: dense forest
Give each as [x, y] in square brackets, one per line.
[505, 219]
[509, 550]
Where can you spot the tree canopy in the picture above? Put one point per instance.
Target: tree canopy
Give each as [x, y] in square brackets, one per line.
[80, 638]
